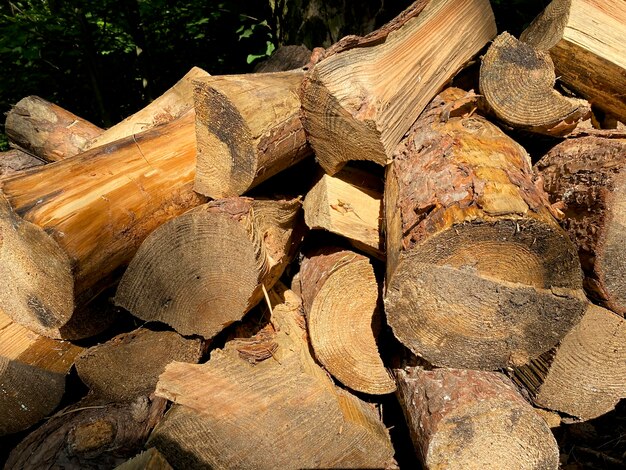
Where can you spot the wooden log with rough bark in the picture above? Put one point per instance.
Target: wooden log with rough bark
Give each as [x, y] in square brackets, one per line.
[150, 459]
[586, 179]
[470, 420]
[340, 296]
[585, 376]
[68, 229]
[292, 413]
[48, 131]
[479, 273]
[517, 82]
[204, 270]
[585, 39]
[13, 161]
[362, 98]
[248, 129]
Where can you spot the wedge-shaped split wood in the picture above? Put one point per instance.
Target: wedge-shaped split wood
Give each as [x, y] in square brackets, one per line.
[479, 273]
[340, 297]
[292, 413]
[207, 268]
[68, 229]
[248, 129]
[585, 39]
[150, 459]
[517, 82]
[470, 420]
[585, 376]
[586, 179]
[359, 103]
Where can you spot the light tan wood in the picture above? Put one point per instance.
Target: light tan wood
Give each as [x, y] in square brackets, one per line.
[282, 412]
[150, 459]
[585, 39]
[13, 161]
[359, 103]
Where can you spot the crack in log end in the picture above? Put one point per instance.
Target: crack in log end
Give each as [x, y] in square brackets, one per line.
[42, 313]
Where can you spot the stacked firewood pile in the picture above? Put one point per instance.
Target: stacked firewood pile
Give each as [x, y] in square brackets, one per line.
[280, 317]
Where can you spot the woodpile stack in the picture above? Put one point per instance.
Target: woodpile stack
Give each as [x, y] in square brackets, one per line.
[427, 257]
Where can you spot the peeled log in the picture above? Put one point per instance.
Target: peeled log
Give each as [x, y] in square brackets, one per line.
[248, 128]
[465, 419]
[479, 274]
[292, 413]
[359, 103]
[15, 160]
[68, 229]
[340, 297]
[586, 179]
[206, 269]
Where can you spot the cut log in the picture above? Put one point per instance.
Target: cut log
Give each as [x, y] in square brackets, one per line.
[68, 229]
[586, 178]
[517, 82]
[585, 376]
[248, 128]
[340, 297]
[92, 434]
[359, 103]
[205, 269]
[348, 204]
[129, 365]
[150, 459]
[32, 375]
[586, 42]
[469, 419]
[292, 413]
[48, 131]
[479, 274]
[15, 160]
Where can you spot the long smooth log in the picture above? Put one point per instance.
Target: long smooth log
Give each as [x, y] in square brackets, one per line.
[15, 160]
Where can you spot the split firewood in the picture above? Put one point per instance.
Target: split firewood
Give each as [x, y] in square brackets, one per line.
[585, 376]
[470, 419]
[129, 365]
[517, 82]
[206, 269]
[48, 131]
[150, 459]
[348, 204]
[16, 160]
[248, 128]
[340, 297]
[359, 103]
[92, 434]
[479, 273]
[292, 413]
[585, 39]
[586, 179]
[32, 375]
[67, 229]
[552, 419]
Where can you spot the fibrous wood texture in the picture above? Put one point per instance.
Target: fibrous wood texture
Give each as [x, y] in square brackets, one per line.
[585, 376]
[359, 103]
[292, 413]
[479, 274]
[585, 39]
[32, 375]
[150, 459]
[248, 128]
[517, 82]
[586, 178]
[340, 297]
[15, 160]
[469, 419]
[67, 229]
[205, 269]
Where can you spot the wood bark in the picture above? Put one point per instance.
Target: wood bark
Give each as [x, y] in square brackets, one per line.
[586, 179]
[585, 39]
[150, 459]
[32, 375]
[248, 128]
[340, 297]
[68, 229]
[360, 101]
[479, 274]
[585, 376]
[348, 204]
[285, 58]
[517, 82]
[293, 414]
[205, 269]
[473, 420]
[13, 161]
